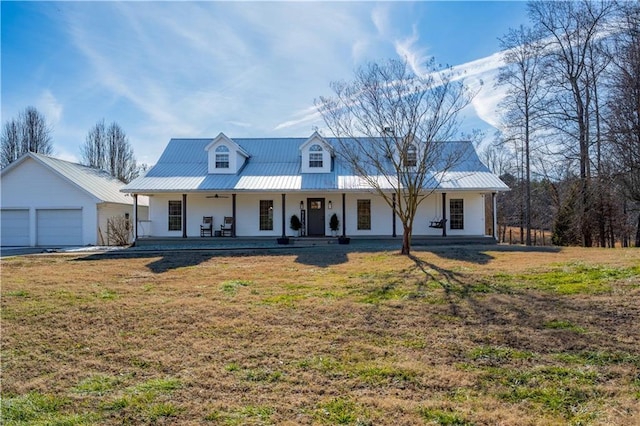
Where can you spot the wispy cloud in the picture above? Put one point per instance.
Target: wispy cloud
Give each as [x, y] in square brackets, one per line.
[50, 107]
[479, 75]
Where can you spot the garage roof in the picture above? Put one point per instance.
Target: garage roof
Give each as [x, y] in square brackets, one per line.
[97, 183]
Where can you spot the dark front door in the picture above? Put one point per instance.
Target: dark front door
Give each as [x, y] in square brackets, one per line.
[315, 219]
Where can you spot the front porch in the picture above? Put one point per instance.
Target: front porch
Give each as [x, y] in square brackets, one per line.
[356, 243]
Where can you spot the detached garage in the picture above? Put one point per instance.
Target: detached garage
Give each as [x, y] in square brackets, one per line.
[50, 202]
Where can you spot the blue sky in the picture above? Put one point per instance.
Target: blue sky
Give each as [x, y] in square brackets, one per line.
[248, 69]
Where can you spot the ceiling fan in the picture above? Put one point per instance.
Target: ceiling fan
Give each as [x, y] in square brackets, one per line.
[217, 196]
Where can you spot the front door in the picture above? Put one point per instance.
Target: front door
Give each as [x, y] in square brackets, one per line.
[315, 219]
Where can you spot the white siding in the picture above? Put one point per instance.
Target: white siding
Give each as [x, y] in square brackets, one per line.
[107, 211]
[248, 205]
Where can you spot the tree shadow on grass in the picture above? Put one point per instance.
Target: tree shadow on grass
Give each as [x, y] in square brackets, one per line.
[166, 260]
[480, 253]
[159, 261]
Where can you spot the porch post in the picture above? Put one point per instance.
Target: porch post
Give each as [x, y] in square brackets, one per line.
[184, 215]
[284, 196]
[493, 214]
[393, 214]
[233, 213]
[344, 216]
[135, 217]
[444, 214]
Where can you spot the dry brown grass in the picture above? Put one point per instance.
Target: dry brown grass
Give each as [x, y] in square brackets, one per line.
[455, 335]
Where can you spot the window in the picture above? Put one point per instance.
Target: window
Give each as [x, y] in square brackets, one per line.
[411, 159]
[456, 211]
[266, 215]
[222, 157]
[175, 215]
[315, 156]
[364, 214]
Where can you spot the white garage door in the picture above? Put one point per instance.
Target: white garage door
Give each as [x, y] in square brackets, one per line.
[59, 227]
[15, 227]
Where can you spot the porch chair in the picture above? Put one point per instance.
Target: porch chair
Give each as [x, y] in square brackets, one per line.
[206, 229]
[226, 229]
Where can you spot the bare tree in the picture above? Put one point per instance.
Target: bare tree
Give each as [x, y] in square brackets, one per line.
[572, 28]
[108, 148]
[623, 106]
[524, 102]
[391, 125]
[28, 133]
[10, 142]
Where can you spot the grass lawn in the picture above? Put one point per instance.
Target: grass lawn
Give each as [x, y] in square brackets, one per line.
[452, 336]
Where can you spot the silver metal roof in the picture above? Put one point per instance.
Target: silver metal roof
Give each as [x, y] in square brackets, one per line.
[275, 165]
[98, 183]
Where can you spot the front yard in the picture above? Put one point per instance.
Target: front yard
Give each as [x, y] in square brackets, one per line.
[452, 336]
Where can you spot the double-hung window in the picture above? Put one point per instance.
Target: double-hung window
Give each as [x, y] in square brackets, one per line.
[222, 157]
[411, 158]
[175, 215]
[266, 215]
[315, 156]
[364, 214]
[456, 213]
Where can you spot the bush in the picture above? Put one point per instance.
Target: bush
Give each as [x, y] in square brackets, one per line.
[334, 222]
[295, 223]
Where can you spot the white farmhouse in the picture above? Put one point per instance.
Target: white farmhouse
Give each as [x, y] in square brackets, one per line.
[258, 184]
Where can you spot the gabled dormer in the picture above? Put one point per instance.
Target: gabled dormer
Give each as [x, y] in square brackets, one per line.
[316, 155]
[225, 156]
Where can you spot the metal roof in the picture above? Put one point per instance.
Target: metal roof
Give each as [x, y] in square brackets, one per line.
[275, 165]
[98, 183]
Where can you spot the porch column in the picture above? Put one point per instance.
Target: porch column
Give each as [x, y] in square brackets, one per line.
[135, 217]
[284, 197]
[184, 215]
[233, 213]
[344, 215]
[494, 216]
[444, 214]
[393, 214]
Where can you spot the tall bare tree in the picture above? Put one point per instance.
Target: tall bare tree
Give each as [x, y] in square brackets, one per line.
[391, 125]
[108, 148]
[623, 105]
[28, 133]
[572, 27]
[524, 103]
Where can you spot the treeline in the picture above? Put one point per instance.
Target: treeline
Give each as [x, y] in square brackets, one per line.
[105, 147]
[569, 140]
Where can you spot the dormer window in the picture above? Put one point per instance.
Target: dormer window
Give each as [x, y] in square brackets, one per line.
[315, 156]
[222, 157]
[411, 158]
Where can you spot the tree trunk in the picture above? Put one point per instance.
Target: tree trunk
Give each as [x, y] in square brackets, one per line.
[638, 233]
[406, 241]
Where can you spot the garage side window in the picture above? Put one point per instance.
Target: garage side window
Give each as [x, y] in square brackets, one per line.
[175, 215]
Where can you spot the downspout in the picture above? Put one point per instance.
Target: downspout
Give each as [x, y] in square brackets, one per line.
[184, 215]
